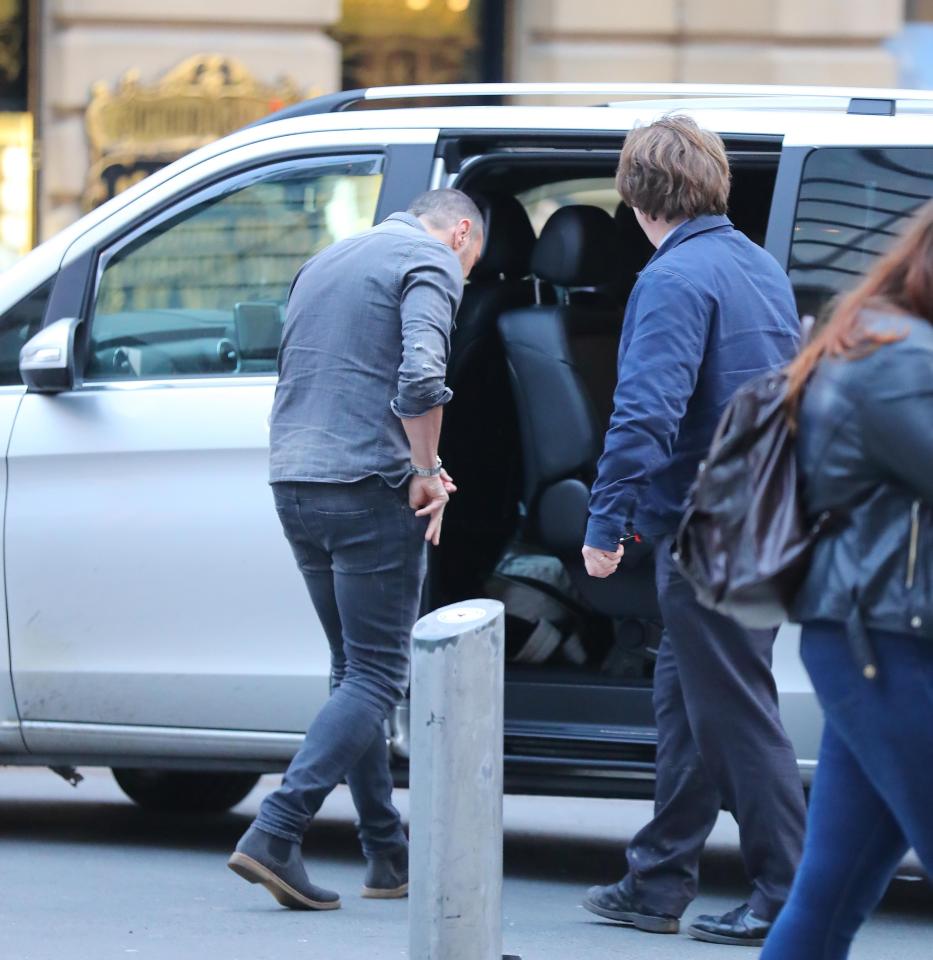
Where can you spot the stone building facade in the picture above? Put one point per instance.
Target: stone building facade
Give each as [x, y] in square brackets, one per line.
[707, 41]
[104, 58]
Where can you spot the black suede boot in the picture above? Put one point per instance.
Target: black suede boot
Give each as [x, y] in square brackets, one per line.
[387, 877]
[277, 864]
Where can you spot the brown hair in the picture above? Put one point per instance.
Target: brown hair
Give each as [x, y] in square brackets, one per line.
[900, 282]
[672, 169]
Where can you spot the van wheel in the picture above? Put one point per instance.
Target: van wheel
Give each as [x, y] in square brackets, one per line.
[181, 791]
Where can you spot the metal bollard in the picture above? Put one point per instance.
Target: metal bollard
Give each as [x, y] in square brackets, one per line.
[455, 800]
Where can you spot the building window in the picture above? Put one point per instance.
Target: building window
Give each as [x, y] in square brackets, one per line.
[16, 187]
[919, 10]
[913, 46]
[16, 135]
[400, 42]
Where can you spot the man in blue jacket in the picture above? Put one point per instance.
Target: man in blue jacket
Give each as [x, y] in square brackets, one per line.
[709, 311]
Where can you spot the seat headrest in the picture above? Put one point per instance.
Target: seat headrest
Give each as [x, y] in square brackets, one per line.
[578, 247]
[509, 238]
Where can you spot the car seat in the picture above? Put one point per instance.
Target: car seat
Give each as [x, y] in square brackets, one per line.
[562, 365]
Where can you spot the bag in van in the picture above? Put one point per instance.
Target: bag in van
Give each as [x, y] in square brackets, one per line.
[542, 616]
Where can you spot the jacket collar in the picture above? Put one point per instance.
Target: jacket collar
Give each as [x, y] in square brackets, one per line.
[691, 228]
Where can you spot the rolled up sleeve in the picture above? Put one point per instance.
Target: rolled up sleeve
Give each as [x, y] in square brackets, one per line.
[432, 286]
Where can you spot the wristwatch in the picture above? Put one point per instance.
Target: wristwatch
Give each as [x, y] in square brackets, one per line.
[434, 471]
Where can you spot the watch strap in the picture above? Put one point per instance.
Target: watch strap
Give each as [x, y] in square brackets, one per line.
[434, 471]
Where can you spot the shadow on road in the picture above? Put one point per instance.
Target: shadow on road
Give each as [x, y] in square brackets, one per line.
[551, 858]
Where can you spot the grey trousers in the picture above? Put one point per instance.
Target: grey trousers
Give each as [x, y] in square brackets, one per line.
[362, 553]
[720, 744]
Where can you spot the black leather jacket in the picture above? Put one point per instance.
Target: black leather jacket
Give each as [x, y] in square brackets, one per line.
[865, 448]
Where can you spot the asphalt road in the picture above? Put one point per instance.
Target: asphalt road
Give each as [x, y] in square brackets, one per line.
[86, 875]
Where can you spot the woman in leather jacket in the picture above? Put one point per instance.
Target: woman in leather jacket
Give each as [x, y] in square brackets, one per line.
[862, 396]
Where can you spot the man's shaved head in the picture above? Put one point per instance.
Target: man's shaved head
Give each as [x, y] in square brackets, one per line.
[452, 217]
[443, 209]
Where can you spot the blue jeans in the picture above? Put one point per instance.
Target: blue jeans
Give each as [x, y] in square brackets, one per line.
[362, 553]
[872, 796]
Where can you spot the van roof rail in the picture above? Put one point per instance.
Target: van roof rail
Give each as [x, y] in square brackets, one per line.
[855, 99]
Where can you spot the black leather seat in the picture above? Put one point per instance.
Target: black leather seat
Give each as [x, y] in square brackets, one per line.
[480, 437]
[562, 365]
[498, 282]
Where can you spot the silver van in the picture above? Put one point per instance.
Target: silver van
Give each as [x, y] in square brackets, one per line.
[155, 622]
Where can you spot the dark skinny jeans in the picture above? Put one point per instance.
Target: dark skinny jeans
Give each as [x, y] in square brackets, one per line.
[872, 796]
[362, 553]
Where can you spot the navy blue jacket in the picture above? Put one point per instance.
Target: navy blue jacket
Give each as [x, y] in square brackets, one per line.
[709, 311]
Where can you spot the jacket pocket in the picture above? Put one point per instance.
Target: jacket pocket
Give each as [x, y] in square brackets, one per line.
[913, 546]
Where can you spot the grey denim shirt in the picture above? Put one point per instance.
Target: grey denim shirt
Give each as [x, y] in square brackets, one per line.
[365, 343]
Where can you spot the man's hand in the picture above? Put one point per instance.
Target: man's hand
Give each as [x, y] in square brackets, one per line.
[428, 496]
[448, 481]
[601, 564]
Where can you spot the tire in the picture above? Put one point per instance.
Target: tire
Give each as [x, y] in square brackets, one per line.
[181, 791]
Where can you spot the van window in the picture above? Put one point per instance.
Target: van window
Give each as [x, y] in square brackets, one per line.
[541, 202]
[853, 202]
[18, 325]
[203, 291]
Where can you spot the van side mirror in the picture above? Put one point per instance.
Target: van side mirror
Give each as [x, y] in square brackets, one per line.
[47, 361]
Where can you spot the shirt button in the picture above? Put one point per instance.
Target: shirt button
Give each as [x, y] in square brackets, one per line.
[916, 623]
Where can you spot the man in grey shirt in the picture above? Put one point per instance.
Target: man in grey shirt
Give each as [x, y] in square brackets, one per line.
[360, 491]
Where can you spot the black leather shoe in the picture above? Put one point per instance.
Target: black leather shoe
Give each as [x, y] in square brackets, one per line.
[387, 877]
[276, 863]
[614, 903]
[739, 927]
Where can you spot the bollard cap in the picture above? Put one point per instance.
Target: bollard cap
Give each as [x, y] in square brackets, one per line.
[457, 619]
